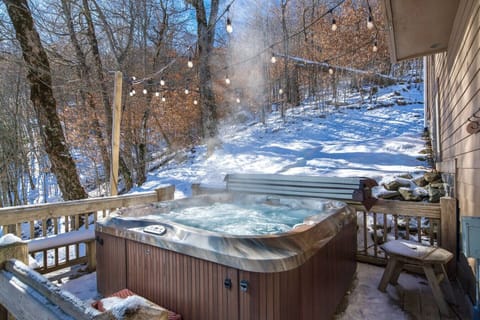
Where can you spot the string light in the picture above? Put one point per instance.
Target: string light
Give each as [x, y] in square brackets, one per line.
[334, 24]
[370, 23]
[229, 22]
[370, 19]
[186, 91]
[195, 102]
[280, 91]
[273, 59]
[145, 91]
[132, 92]
[163, 99]
[375, 46]
[238, 100]
[157, 94]
[229, 25]
[227, 79]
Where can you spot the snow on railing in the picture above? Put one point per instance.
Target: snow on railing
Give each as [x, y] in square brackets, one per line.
[428, 223]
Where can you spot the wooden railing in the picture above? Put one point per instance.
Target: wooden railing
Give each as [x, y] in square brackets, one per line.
[74, 217]
[429, 223]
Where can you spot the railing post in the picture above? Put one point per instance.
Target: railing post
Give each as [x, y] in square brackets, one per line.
[449, 230]
[15, 250]
[165, 193]
[91, 256]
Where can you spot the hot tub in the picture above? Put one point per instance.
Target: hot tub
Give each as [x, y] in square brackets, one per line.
[294, 268]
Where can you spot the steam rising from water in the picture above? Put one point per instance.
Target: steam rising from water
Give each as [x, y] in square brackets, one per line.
[246, 57]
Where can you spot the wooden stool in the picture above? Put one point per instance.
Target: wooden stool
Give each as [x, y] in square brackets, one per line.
[401, 252]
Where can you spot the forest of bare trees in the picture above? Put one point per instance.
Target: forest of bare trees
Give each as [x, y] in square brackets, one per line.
[183, 73]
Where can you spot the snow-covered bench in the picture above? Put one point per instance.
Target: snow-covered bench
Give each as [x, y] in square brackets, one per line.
[28, 295]
[349, 190]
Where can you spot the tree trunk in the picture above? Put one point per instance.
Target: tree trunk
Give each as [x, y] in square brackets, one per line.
[41, 95]
[285, 52]
[206, 37]
[92, 38]
[87, 96]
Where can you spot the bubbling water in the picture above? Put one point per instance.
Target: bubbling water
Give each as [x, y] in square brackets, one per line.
[241, 219]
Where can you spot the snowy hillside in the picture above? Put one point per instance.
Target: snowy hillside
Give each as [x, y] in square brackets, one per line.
[376, 140]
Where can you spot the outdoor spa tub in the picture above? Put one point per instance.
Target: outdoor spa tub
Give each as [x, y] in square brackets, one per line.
[232, 256]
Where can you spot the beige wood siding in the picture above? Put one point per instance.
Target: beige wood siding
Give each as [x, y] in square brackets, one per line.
[458, 74]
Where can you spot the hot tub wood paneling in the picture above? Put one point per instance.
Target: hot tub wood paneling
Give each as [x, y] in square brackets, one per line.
[111, 267]
[195, 288]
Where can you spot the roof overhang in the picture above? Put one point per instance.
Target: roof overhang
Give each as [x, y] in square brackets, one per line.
[419, 27]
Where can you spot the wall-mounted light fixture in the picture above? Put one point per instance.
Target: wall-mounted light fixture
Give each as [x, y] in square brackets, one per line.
[473, 125]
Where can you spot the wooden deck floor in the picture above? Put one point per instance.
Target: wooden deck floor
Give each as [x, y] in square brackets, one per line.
[412, 299]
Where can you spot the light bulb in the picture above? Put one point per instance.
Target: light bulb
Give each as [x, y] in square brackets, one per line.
[229, 26]
[238, 100]
[186, 91]
[370, 23]
[334, 25]
[190, 62]
[162, 82]
[227, 80]
[375, 47]
[163, 99]
[280, 91]
[132, 93]
[144, 91]
[330, 70]
[195, 102]
[157, 94]
[273, 59]
[133, 78]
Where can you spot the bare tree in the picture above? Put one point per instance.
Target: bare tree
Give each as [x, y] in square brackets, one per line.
[44, 103]
[206, 38]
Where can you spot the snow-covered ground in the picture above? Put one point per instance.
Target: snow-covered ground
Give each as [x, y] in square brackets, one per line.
[348, 141]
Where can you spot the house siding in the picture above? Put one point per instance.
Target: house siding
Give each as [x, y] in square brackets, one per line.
[453, 81]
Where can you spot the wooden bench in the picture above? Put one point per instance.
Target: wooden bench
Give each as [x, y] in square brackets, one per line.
[402, 252]
[349, 190]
